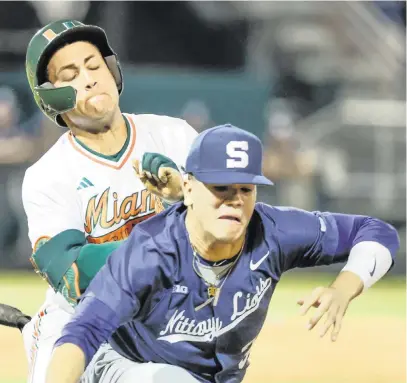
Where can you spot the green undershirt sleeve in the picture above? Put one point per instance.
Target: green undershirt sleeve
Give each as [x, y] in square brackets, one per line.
[53, 258]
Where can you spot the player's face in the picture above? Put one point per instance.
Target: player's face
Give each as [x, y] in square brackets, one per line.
[221, 211]
[82, 66]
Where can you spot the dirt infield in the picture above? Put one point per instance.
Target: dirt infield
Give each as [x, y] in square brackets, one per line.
[287, 353]
[371, 347]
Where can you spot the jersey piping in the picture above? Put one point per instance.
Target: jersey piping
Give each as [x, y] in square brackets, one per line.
[104, 160]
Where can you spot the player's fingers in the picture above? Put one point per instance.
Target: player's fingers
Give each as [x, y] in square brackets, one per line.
[148, 182]
[325, 303]
[300, 302]
[164, 175]
[167, 175]
[143, 178]
[157, 180]
[311, 300]
[330, 319]
[338, 324]
[336, 330]
[150, 178]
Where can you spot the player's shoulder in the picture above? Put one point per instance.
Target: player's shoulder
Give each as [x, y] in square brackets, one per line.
[51, 166]
[156, 123]
[284, 217]
[159, 119]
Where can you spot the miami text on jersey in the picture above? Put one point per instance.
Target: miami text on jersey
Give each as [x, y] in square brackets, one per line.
[139, 206]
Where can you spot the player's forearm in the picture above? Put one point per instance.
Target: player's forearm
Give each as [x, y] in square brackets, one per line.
[57, 255]
[67, 364]
[92, 324]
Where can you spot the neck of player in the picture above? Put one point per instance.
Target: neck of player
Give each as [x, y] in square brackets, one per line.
[207, 246]
[109, 140]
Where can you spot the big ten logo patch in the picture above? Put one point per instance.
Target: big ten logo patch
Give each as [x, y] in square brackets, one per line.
[130, 211]
[180, 289]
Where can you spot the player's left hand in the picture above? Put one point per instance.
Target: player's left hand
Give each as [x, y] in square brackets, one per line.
[160, 176]
[331, 303]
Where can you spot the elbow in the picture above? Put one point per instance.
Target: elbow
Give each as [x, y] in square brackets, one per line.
[386, 234]
[395, 241]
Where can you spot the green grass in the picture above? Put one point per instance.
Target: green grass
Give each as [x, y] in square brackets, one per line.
[25, 291]
[386, 298]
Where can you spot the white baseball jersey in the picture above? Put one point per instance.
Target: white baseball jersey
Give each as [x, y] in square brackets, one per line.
[71, 187]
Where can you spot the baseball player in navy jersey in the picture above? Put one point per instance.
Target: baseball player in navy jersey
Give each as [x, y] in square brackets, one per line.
[184, 298]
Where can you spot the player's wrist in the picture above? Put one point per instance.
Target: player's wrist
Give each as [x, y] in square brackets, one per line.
[171, 200]
[348, 284]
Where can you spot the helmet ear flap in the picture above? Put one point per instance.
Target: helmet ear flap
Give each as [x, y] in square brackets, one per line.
[55, 101]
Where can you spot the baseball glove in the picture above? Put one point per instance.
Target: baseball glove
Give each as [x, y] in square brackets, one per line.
[12, 317]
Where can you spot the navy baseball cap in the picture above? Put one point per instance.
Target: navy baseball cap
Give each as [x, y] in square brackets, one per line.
[226, 155]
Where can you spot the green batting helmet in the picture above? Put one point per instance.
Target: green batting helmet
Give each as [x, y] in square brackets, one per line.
[51, 100]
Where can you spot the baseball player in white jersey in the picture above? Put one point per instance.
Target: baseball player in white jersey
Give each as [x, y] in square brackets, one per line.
[83, 196]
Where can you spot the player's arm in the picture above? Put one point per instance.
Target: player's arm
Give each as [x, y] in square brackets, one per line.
[309, 239]
[306, 239]
[62, 372]
[114, 296]
[69, 263]
[369, 246]
[60, 252]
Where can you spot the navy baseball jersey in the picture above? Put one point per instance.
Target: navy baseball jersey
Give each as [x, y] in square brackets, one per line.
[145, 299]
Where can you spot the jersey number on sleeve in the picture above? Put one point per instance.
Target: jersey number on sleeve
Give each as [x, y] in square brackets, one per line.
[246, 349]
[237, 151]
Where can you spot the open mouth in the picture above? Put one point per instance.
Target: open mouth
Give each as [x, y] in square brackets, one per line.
[230, 218]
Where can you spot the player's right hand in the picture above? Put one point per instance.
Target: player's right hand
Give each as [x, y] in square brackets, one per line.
[160, 175]
[331, 304]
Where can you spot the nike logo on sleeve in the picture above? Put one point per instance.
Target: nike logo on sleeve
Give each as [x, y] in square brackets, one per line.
[374, 268]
